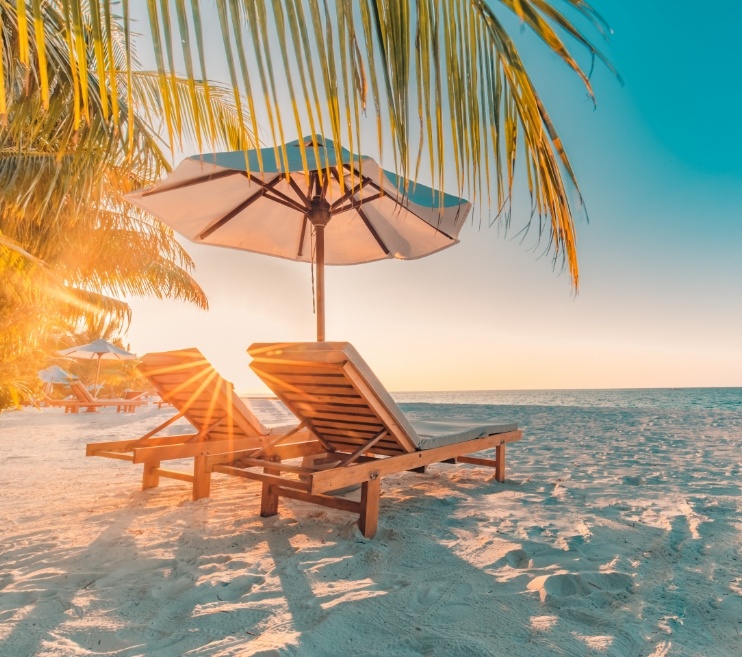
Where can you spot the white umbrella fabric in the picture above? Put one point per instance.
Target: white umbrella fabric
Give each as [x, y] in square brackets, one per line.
[347, 211]
[97, 349]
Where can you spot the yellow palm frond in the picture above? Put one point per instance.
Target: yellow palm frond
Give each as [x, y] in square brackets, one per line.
[445, 81]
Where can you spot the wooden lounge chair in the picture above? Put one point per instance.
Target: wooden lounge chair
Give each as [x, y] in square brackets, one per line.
[83, 399]
[221, 420]
[48, 401]
[357, 425]
[159, 402]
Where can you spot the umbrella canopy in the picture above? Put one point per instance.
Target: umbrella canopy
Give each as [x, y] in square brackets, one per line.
[100, 349]
[55, 374]
[347, 211]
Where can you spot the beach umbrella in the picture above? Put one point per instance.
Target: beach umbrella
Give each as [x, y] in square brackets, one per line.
[97, 349]
[346, 211]
[54, 375]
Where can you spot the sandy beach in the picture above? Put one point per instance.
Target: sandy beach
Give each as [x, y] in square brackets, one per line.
[617, 532]
[522, 219]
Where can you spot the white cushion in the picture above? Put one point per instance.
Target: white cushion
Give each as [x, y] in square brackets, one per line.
[440, 434]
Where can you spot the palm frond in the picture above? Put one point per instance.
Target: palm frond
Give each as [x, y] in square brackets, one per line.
[78, 130]
[444, 77]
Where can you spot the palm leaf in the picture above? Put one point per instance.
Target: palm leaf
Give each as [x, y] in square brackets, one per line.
[463, 96]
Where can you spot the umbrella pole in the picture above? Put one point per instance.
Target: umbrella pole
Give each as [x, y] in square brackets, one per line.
[95, 385]
[320, 241]
[320, 214]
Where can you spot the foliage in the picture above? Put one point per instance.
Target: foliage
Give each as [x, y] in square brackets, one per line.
[116, 376]
[442, 76]
[80, 123]
[70, 246]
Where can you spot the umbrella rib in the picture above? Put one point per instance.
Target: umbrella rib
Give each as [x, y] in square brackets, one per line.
[195, 181]
[280, 197]
[301, 237]
[365, 219]
[372, 230]
[412, 212]
[270, 187]
[349, 193]
[314, 183]
[366, 180]
[265, 189]
[358, 203]
[232, 214]
[302, 196]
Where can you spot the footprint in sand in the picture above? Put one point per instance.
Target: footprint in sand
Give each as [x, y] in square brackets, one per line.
[236, 588]
[169, 590]
[13, 600]
[519, 559]
[430, 592]
[599, 587]
[441, 601]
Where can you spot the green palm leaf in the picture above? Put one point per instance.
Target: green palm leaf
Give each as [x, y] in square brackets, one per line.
[444, 78]
[70, 247]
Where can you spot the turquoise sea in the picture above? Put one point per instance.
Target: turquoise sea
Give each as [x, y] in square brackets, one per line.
[520, 405]
[659, 398]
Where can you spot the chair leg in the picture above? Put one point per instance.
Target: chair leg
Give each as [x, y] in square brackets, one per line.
[268, 501]
[150, 478]
[201, 478]
[500, 460]
[269, 498]
[369, 519]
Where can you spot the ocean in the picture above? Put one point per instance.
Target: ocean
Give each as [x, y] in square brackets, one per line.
[487, 405]
[658, 398]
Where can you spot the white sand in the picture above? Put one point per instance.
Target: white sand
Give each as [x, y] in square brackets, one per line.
[617, 533]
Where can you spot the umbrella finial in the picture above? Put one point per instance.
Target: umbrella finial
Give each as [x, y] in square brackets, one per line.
[319, 211]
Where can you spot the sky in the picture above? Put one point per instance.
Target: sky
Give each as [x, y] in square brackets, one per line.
[659, 303]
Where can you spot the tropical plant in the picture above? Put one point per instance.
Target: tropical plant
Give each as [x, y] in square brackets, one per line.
[441, 76]
[70, 247]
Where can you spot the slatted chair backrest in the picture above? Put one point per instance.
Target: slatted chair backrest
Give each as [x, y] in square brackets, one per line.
[81, 392]
[191, 384]
[329, 386]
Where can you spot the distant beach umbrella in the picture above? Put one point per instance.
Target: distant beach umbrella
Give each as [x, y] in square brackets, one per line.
[53, 375]
[97, 349]
[347, 211]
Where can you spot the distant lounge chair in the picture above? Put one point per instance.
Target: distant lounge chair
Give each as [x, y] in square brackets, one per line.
[159, 402]
[83, 399]
[46, 400]
[358, 426]
[222, 421]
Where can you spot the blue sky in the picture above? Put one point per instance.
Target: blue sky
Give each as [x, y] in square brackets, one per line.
[659, 305]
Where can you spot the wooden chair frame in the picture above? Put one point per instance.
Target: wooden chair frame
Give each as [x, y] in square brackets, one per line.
[313, 484]
[222, 409]
[85, 399]
[366, 465]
